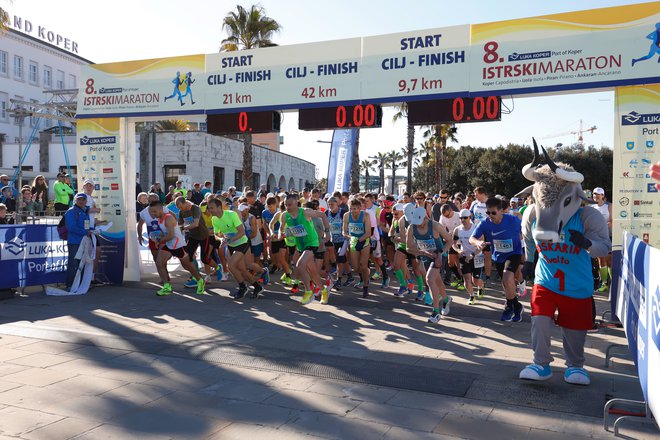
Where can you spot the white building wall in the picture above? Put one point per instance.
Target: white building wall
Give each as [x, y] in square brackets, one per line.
[200, 152]
[43, 54]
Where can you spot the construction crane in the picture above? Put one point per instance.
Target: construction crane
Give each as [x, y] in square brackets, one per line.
[580, 132]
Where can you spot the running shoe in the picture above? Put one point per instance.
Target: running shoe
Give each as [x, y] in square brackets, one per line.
[521, 289]
[420, 295]
[294, 288]
[190, 283]
[165, 290]
[508, 313]
[240, 293]
[225, 276]
[359, 285]
[349, 281]
[428, 299]
[472, 300]
[603, 287]
[283, 277]
[256, 290]
[201, 285]
[325, 295]
[461, 286]
[307, 297]
[265, 276]
[376, 276]
[219, 275]
[410, 286]
[447, 282]
[401, 291]
[517, 312]
[455, 283]
[434, 318]
[577, 376]
[287, 281]
[332, 270]
[317, 293]
[480, 292]
[446, 306]
[536, 372]
[386, 283]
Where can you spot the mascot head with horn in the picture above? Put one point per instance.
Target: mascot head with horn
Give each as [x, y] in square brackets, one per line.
[557, 193]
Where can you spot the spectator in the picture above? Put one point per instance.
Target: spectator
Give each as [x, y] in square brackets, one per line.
[231, 192]
[26, 205]
[138, 187]
[7, 197]
[207, 189]
[170, 194]
[156, 189]
[141, 203]
[4, 182]
[180, 189]
[39, 191]
[4, 218]
[195, 195]
[62, 192]
[77, 225]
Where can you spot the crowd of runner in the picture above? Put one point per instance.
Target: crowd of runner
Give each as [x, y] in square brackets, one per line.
[320, 243]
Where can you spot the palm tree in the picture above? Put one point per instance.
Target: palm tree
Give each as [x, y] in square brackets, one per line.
[393, 162]
[381, 160]
[427, 150]
[4, 19]
[367, 165]
[402, 112]
[438, 135]
[248, 29]
[172, 125]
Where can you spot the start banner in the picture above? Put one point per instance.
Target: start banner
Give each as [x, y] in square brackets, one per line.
[31, 255]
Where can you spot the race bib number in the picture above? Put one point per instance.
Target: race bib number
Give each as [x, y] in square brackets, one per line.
[356, 228]
[155, 235]
[187, 221]
[297, 231]
[503, 246]
[426, 245]
[335, 228]
[479, 261]
[230, 235]
[153, 227]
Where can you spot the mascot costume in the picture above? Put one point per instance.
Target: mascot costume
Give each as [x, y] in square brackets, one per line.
[565, 235]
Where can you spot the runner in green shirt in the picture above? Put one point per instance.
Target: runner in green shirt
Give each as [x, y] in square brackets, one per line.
[228, 226]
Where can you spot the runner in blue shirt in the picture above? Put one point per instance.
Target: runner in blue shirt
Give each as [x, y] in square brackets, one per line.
[503, 233]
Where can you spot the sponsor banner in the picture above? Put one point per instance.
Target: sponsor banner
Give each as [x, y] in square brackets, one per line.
[567, 51]
[421, 63]
[638, 308]
[284, 76]
[635, 201]
[341, 159]
[156, 86]
[99, 160]
[31, 255]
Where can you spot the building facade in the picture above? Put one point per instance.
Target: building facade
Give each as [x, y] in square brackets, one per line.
[164, 156]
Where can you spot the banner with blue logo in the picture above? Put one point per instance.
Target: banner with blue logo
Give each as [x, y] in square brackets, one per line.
[99, 160]
[638, 308]
[341, 159]
[31, 255]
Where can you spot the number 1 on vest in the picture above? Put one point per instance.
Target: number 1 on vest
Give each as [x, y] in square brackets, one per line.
[561, 277]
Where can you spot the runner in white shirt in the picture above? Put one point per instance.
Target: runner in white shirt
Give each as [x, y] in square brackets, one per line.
[478, 209]
[450, 220]
[153, 233]
[376, 250]
[470, 259]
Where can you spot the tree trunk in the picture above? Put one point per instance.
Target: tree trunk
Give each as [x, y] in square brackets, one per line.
[411, 147]
[366, 180]
[247, 161]
[393, 177]
[443, 181]
[355, 169]
[436, 167]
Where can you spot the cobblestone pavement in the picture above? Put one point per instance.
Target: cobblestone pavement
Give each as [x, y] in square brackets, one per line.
[121, 363]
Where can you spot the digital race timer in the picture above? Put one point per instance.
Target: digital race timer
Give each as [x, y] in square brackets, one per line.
[243, 122]
[349, 116]
[457, 110]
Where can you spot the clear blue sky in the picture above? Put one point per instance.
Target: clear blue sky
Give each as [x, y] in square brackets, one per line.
[123, 30]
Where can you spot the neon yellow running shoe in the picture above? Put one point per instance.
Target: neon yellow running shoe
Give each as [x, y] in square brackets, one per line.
[603, 288]
[324, 295]
[307, 297]
[200, 286]
[166, 290]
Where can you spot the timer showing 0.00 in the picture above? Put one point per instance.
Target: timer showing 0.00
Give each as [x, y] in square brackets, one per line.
[456, 110]
[243, 122]
[349, 116]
